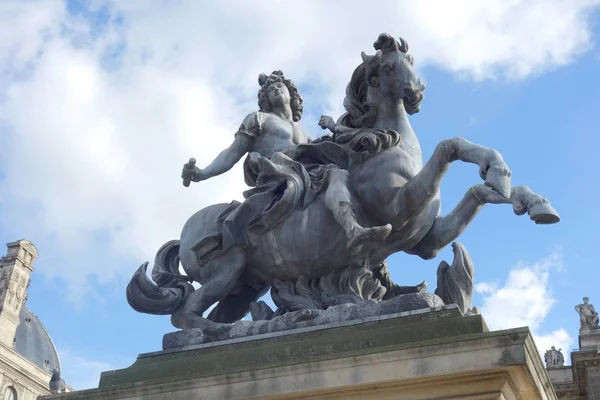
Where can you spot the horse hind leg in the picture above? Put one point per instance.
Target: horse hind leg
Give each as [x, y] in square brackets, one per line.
[236, 306]
[222, 276]
[449, 227]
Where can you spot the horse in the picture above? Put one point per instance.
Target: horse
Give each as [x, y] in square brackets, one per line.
[388, 182]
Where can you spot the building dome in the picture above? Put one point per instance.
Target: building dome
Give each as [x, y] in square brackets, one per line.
[33, 342]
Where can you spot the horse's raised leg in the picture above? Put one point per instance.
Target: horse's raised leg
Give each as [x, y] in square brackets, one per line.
[411, 199]
[222, 276]
[447, 228]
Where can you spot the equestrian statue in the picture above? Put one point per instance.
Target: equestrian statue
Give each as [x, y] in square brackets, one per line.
[322, 215]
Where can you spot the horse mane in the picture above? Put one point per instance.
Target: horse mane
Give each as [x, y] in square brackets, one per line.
[369, 141]
[361, 114]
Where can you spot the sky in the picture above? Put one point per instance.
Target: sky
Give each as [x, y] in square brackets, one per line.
[101, 103]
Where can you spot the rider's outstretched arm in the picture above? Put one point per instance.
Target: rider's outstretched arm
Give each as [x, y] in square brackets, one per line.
[228, 157]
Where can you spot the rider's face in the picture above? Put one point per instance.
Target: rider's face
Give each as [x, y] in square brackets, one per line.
[278, 94]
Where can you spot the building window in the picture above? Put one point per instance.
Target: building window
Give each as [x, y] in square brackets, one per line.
[10, 394]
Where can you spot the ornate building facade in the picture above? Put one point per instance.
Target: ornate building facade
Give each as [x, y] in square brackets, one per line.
[27, 355]
[581, 379]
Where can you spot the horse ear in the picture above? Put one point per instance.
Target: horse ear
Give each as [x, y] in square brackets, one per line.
[262, 78]
[403, 46]
[364, 56]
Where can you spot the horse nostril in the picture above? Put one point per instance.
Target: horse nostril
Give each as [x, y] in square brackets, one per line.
[413, 96]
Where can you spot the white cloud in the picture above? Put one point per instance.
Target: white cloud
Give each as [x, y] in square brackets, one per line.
[23, 30]
[93, 144]
[525, 299]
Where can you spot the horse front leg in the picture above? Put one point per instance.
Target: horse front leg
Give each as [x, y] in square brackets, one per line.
[417, 193]
[447, 228]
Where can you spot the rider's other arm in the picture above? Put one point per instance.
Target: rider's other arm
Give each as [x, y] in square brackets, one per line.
[249, 130]
[241, 145]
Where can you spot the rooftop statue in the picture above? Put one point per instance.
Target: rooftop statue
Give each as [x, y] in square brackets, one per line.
[554, 358]
[588, 317]
[322, 215]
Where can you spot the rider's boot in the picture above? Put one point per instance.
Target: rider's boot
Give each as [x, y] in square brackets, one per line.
[358, 235]
[338, 201]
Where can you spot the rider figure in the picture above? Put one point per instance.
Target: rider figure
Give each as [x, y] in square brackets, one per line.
[274, 128]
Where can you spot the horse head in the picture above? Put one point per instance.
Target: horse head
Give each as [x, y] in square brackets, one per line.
[390, 72]
[387, 76]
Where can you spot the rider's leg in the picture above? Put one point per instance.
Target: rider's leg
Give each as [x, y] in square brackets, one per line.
[338, 201]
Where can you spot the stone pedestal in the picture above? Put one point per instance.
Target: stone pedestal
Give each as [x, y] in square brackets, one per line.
[424, 354]
[589, 339]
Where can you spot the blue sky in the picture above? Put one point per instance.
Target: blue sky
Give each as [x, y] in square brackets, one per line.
[101, 103]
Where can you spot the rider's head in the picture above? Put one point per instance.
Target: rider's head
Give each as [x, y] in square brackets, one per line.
[275, 90]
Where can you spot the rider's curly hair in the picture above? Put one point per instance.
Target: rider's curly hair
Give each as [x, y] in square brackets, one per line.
[295, 97]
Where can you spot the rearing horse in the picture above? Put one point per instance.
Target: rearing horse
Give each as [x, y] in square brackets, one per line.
[388, 183]
[408, 192]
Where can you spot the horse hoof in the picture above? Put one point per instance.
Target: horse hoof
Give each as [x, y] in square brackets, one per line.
[499, 179]
[543, 213]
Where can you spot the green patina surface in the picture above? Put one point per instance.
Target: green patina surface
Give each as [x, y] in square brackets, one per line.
[326, 344]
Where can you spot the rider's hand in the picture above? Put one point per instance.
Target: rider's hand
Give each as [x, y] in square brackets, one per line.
[326, 122]
[194, 174]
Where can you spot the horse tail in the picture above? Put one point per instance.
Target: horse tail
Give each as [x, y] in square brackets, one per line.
[171, 288]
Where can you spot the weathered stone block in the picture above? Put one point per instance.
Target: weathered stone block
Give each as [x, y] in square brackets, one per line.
[420, 355]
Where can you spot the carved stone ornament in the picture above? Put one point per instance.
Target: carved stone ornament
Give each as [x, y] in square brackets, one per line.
[3, 281]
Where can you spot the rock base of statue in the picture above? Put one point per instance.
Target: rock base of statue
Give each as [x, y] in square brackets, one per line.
[303, 319]
[423, 354]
